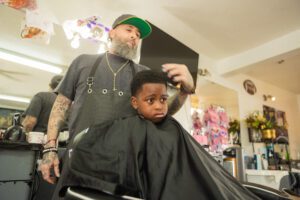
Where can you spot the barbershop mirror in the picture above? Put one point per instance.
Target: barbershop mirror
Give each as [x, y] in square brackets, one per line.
[212, 93]
[213, 109]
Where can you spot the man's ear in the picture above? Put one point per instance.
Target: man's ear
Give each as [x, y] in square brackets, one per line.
[111, 34]
[134, 103]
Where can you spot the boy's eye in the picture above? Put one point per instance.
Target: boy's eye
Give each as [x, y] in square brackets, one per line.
[164, 99]
[150, 101]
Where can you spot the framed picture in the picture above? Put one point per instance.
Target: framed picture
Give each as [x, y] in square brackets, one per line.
[269, 113]
[281, 124]
[279, 118]
[6, 117]
[250, 87]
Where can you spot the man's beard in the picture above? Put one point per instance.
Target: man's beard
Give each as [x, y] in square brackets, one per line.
[122, 49]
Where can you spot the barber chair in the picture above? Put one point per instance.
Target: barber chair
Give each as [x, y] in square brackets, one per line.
[267, 193]
[78, 193]
[291, 183]
[263, 192]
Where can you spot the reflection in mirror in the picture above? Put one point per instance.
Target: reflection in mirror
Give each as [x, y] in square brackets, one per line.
[215, 116]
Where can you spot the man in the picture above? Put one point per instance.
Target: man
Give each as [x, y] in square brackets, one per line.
[99, 86]
[38, 112]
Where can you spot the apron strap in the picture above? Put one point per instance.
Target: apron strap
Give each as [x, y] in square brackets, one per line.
[90, 79]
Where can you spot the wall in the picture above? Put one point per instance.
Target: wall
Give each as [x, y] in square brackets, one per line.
[285, 101]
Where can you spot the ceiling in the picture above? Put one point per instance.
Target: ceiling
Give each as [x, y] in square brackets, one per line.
[221, 31]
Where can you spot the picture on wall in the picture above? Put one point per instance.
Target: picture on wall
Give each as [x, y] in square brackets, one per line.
[281, 124]
[6, 117]
[279, 119]
[269, 113]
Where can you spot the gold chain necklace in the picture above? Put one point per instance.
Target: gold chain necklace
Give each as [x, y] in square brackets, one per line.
[115, 73]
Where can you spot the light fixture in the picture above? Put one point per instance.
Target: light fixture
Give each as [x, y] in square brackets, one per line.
[203, 72]
[14, 98]
[89, 28]
[269, 97]
[27, 61]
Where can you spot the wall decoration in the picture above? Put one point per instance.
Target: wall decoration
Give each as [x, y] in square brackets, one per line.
[37, 25]
[6, 117]
[90, 28]
[269, 113]
[282, 125]
[278, 118]
[249, 87]
[19, 4]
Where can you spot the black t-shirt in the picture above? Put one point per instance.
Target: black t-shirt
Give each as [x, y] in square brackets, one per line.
[40, 107]
[74, 84]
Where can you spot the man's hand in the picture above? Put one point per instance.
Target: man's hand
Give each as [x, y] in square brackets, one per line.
[50, 160]
[179, 73]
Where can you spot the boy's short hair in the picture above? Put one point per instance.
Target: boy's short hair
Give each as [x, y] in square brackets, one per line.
[146, 76]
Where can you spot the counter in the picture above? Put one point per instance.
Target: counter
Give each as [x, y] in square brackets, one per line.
[270, 178]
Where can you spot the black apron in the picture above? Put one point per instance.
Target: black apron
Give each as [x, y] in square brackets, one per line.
[99, 105]
[102, 104]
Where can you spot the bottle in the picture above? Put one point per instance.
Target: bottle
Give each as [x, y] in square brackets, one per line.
[258, 162]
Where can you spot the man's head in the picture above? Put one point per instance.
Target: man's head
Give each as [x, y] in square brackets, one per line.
[55, 81]
[149, 95]
[126, 34]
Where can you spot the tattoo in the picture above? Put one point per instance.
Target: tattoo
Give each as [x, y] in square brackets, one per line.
[29, 122]
[49, 157]
[57, 116]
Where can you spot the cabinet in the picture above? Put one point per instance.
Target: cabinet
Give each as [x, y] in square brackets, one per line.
[17, 170]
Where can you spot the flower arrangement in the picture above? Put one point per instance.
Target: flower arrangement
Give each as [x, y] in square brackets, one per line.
[234, 126]
[257, 122]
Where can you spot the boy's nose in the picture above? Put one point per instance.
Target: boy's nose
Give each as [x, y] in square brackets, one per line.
[158, 105]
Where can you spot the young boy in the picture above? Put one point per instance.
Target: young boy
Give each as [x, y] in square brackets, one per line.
[149, 155]
[149, 95]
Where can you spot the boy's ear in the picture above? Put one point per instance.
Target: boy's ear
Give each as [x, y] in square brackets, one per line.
[134, 102]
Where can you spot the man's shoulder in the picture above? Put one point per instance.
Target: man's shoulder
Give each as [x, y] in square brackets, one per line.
[140, 67]
[45, 94]
[85, 60]
[88, 56]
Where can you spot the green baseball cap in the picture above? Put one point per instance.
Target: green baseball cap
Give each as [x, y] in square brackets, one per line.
[143, 26]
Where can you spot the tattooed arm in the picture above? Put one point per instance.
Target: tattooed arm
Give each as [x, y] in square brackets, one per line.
[29, 123]
[179, 73]
[57, 117]
[176, 101]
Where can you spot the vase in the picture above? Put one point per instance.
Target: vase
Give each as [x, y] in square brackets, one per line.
[267, 134]
[273, 133]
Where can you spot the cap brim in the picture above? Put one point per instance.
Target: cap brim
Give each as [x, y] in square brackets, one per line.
[143, 26]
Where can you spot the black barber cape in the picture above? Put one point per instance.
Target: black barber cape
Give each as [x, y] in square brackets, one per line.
[162, 161]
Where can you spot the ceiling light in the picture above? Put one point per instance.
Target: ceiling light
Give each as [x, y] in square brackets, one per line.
[23, 60]
[14, 98]
[269, 97]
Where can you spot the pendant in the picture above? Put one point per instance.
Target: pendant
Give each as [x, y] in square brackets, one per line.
[114, 88]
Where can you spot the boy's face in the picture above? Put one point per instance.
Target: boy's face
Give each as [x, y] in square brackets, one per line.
[151, 101]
